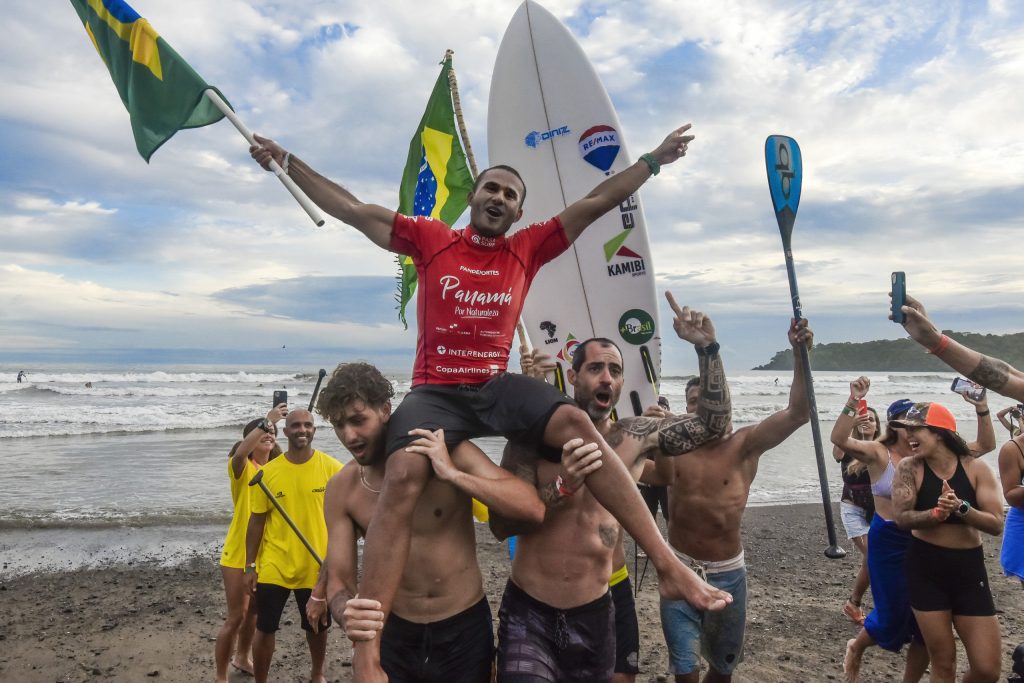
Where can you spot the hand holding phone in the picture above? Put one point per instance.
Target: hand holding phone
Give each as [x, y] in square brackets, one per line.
[280, 396]
[862, 407]
[899, 295]
[966, 387]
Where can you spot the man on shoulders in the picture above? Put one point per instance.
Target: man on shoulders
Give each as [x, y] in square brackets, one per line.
[440, 628]
[472, 288]
[557, 618]
[276, 562]
[708, 492]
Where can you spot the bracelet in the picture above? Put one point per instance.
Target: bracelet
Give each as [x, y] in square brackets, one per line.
[651, 162]
[984, 413]
[284, 164]
[563, 491]
[847, 410]
[709, 350]
[940, 347]
[316, 599]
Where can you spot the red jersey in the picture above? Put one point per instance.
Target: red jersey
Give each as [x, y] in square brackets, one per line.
[471, 292]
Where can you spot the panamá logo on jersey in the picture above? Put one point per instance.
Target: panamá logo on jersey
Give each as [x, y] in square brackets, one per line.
[599, 146]
[620, 259]
[636, 326]
[571, 342]
[535, 137]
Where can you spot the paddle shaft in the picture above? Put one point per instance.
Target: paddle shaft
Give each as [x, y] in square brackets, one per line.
[819, 453]
[316, 389]
[258, 480]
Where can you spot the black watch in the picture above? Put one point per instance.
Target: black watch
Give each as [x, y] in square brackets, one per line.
[266, 426]
[963, 509]
[709, 350]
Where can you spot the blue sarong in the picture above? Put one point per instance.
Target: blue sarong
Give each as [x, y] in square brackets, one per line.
[891, 623]
[1012, 554]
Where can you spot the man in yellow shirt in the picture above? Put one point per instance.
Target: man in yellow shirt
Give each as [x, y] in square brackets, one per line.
[276, 562]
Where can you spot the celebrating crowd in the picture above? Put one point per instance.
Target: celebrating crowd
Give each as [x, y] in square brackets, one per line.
[415, 609]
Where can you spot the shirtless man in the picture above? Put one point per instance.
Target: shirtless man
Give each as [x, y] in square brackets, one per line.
[459, 378]
[708, 492]
[439, 629]
[556, 621]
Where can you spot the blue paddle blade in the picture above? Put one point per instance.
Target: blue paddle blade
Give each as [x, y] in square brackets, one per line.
[785, 176]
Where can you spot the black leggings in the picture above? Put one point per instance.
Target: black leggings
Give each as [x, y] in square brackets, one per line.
[948, 579]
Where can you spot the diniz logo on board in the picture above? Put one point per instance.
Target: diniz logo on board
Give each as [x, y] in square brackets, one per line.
[599, 145]
[534, 138]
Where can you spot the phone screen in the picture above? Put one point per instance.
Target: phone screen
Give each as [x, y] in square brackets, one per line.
[899, 295]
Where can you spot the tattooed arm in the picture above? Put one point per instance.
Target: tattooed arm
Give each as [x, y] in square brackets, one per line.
[989, 372]
[904, 497]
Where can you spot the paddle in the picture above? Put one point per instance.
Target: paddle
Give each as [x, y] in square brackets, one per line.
[258, 481]
[316, 389]
[785, 177]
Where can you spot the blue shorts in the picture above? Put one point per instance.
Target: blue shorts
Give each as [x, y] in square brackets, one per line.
[718, 636]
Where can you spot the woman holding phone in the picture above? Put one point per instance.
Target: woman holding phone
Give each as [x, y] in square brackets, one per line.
[948, 499]
[257, 447]
[857, 505]
[890, 624]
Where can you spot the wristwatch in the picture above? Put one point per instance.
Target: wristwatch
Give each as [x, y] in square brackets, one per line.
[964, 508]
[266, 426]
[249, 568]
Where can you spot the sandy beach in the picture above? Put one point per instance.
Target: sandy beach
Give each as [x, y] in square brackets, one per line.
[145, 622]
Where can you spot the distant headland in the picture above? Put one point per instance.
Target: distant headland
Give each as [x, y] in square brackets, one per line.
[900, 355]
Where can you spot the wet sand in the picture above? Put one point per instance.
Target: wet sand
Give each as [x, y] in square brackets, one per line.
[146, 622]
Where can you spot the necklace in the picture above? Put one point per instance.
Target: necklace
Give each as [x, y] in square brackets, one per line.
[362, 480]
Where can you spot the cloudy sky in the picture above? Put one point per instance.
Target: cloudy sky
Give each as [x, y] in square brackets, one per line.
[912, 137]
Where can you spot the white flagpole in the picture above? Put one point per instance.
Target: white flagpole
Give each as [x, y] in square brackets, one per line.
[299, 195]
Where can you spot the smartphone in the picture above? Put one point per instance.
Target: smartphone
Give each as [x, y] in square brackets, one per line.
[967, 388]
[280, 396]
[899, 295]
[862, 407]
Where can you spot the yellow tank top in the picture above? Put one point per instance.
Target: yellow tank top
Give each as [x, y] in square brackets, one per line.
[233, 553]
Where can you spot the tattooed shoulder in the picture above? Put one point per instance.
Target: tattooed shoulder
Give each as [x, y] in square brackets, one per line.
[991, 373]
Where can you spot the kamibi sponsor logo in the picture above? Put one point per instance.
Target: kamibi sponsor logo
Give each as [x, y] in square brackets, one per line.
[621, 260]
[636, 326]
[599, 146]
[534, 138]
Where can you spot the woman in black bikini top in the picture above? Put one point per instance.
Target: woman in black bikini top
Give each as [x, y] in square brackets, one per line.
[947, 498]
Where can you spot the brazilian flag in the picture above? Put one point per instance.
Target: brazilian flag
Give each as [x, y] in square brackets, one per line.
[437, 178]
[162, 93]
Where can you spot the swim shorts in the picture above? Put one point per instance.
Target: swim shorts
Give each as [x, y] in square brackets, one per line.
[854, 519]
[627, 629]
[459, 648]
[718, 636]
[538, 643]
[270, 602]
[953, 579]
[510, 405]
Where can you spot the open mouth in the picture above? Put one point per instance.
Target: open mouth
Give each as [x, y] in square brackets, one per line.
[603, 397]
[914, 444]
[493, 212]
[356, 449]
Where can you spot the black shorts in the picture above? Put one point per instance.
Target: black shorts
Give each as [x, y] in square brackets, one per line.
[510, 405]
[538, 643]
[627, 629]
[270, 602]
[459, 649]
[948, 579]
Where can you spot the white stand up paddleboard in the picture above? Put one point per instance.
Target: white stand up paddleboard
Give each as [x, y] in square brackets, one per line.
[551, 119]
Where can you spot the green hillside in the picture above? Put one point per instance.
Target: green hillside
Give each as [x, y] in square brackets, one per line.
[900, 355]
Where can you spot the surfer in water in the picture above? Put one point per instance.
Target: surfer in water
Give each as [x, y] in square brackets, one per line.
[559, 587]
[440, 627]
[473, 284]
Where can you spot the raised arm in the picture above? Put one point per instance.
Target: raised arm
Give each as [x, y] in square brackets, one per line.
[606, 196]
[1004, 421]
[373, 221]
[772, 431]
[989, 372]
[245, 446]
[842, 432]
[986, 441]
[473, 473]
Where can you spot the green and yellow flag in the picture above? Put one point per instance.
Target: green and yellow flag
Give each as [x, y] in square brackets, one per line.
[162, 93]
[437, 178]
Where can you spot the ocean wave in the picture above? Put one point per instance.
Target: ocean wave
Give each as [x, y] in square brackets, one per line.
[169, 377]
[159, 392]
[108, 520]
